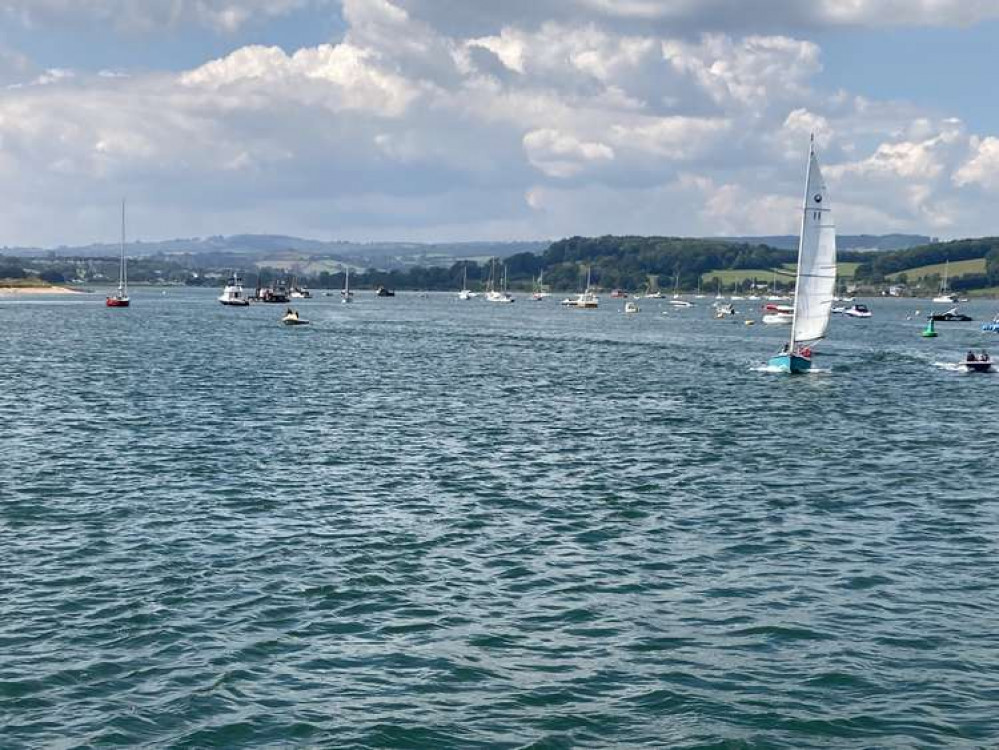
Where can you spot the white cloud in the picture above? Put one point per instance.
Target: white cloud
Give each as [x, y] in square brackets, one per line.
[523, 129]
[561, 154]
[146, 15]
[982, 168]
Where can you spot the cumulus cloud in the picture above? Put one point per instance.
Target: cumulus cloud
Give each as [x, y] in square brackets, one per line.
[146, 15]
[403, 129]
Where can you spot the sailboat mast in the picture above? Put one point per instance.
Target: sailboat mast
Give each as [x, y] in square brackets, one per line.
[801, 240]
[122, 269]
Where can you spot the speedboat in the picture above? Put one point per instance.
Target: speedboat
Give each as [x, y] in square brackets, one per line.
[980, 363]
[233, 295]
[676, 302]
[291, 318]
[857, 311]
[653, 295]
[838, 310]
[383, 292]
[950, 316]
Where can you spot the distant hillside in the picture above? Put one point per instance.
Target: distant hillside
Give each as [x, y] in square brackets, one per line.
[974, 264]
[260, 249]
[885, 242]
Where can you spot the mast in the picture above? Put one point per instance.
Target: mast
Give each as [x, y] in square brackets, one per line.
[801, 240]
[122, 268]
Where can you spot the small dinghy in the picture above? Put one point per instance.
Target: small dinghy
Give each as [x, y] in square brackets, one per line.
[291, 318]
[977, 363]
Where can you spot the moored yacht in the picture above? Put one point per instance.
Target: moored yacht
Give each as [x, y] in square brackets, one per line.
[233, 295]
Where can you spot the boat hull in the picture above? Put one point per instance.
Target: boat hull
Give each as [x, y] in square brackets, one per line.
[790, 363]
[977, 366]
[117, 302]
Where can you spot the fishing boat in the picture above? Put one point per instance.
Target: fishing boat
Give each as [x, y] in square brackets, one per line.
[346, 296]
[233, 295]
[977, 363]
[292, 318]
[945, 297]
[586, 300]
[120, 297]
[815, 276]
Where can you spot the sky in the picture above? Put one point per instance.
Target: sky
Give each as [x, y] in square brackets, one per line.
[459, 120]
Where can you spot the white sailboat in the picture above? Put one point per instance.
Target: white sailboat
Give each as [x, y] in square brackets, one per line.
[815, 278]
[501, 297]
[539, 288]
[945, 297]
[346, 296]
[587, 300]
[120, 297]
[465, 293]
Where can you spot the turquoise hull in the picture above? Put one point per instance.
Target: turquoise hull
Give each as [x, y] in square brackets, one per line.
[790, 363]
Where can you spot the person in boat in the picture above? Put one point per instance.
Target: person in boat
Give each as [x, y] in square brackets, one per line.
[806, 352]
[785, 349]
[971, 356]
[983, 356]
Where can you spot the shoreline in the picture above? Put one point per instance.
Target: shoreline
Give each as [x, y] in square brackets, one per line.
[14, 290]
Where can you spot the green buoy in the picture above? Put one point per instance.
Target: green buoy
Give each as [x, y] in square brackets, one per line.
[929, 332]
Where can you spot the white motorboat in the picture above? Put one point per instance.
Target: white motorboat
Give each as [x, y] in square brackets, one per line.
[631, 308]
[857, 311]
[233, 295]
[778, 319]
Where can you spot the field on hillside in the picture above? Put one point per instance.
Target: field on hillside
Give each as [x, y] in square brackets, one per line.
[957, 268]
[785, 275]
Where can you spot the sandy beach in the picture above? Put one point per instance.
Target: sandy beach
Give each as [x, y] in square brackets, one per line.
[39, 290]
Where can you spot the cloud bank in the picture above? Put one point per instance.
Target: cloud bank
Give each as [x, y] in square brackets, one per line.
[530, 122]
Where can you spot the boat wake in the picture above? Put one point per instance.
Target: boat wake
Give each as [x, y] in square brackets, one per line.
[955, 367]
[771, 368]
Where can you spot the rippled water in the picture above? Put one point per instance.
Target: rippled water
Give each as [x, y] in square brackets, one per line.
[426, 523]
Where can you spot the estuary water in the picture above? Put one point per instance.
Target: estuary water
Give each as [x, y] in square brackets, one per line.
[425, 523]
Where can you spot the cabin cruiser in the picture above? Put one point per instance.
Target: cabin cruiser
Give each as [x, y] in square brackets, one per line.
[233, 295]
[858, 311]
[950, 316]
[584, 301]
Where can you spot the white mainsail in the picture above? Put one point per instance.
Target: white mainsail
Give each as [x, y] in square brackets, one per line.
[816, 276]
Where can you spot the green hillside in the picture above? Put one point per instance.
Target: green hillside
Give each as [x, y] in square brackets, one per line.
[956, 269]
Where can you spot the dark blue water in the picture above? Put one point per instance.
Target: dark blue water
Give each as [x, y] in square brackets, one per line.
[421, 523]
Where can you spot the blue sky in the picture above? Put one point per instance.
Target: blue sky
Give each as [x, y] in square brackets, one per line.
[469, 119]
